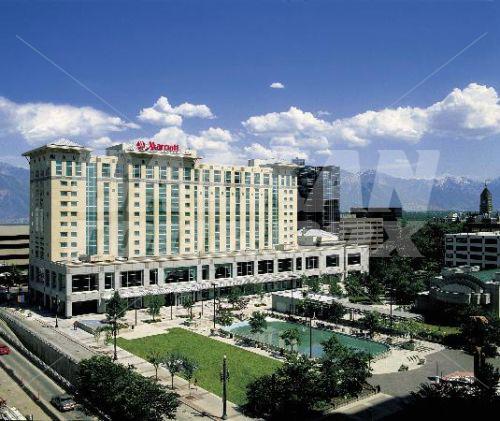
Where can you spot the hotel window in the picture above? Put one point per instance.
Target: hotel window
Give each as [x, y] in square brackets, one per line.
[64, 193]
[74, 184]
[180, 274]
[150, 171]
[187, 174]
[163, 172]
[106, 170]
[69, 168]
[175, 173]
[354, 259]
[153, 277]
[217, 219]
[109, 280]
[64, 234]
[136, 171]
[162, 218]
[228, 218]
[284, 265]
[227, 177]
[64, 213]
[312, 262]
[106, 217]
[196, 175]
[217, 176]
[119, 171]
[58, 167]
[63, 244]
[206, 176]
[332, 261]
[256, 179]
[78, 169]
[205, 272]
[150, 220]
[206, 203]
[248, 177]
[298, 263]
[266, 266]
[64, 183]
[174, 220]
[266, 179]
[223, 270]
[244, 268]
[237, 177]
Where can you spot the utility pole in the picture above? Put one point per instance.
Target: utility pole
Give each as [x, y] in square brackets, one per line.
[224, 376]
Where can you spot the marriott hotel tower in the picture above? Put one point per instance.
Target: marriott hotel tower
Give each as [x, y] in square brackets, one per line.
[152, 219]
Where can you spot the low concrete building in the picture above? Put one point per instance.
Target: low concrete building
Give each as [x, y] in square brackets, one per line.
[463, 286]
[14, 246]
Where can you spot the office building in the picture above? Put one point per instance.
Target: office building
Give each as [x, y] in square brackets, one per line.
[362, 231]
[473, 249]
[318, 196]
[149, 218]
[391, 214]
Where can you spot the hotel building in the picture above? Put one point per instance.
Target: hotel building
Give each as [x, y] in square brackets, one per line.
[473, 249]
[152, 219]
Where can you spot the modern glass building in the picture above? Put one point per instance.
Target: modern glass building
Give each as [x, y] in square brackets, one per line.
[151, 219]
[318, 197]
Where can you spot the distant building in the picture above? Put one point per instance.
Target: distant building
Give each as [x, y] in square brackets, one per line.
[362, 231]
[387, 214]
[486, 201]
[318, 196]
[14, 246]
[463, 285]
[478, 248]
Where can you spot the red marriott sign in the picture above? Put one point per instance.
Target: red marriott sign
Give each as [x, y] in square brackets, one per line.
[143, 146]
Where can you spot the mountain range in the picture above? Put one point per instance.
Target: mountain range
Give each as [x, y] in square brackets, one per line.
[366, 188]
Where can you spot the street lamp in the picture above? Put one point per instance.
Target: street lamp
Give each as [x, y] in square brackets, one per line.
[310, 334]
[214, 285]
[224, 377]
[172, 298]
[57, 311]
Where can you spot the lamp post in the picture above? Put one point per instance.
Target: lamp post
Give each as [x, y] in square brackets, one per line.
[310, 335]
[57, 311]
[171, 306]
[224, 377]
[214, 285]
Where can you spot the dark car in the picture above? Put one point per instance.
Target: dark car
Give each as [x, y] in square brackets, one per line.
[4, 349]
[63, 402]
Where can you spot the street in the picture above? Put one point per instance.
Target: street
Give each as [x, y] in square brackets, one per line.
[38, 381]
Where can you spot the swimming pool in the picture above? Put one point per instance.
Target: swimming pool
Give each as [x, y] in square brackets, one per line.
[275, 327]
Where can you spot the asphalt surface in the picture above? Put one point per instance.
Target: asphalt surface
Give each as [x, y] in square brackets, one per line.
[38, 381]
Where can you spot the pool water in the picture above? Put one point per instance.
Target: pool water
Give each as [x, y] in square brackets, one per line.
[274, 329]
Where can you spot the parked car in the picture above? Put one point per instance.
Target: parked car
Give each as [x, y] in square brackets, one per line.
[4, 349]
[63, 402]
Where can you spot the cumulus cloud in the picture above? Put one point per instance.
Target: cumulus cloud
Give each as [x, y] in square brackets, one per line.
[39, 122]
[164, 114]
[469, 113]
[102, 143]
[277, 85]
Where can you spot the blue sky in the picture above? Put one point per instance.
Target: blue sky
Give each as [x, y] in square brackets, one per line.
[343, 65]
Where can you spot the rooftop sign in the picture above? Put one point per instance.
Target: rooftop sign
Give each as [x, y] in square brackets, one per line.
[144, 146]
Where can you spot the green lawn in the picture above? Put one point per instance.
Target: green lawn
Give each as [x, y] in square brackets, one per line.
[243, 366]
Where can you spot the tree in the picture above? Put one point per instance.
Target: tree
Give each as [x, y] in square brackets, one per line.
[290, 392]
[155, 358]
[225, 317]
[291, 337]
[334, 287]
[189, 367]
[173, 362]
[123, 394]
[353, 285]
[257, 323]
[188, 305]
[154, 304]
[371, 322]
[313, 283]
[343, 371]
[116, 308]
[334, 312]
[259, 291]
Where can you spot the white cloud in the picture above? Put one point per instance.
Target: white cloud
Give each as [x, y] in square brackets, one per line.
[102, 143]
[469, 113]
[163, 114]
[277, 85]
[41, 122]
